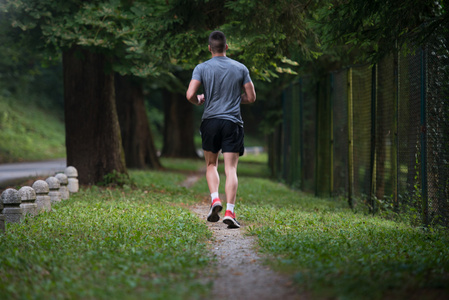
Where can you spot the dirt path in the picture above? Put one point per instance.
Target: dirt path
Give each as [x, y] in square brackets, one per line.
[239, 272]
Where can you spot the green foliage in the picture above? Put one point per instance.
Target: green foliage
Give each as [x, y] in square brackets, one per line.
[114, 27]
[28, 132]
[115, 178]
[263, 34]
[106, 244]
[159, 38]
[377, 27]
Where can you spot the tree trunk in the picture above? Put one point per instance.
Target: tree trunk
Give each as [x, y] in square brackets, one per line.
[178, 128]
[93, 140]
[137, 138]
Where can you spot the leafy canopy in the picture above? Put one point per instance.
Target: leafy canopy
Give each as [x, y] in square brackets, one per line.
[377, 27]
[149, 38]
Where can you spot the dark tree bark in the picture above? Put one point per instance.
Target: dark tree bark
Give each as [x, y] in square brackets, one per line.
[93, 140]
[178, 128]
[137, 138]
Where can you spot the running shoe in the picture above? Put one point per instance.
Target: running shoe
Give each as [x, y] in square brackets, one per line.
[230, 220]
[215, 208]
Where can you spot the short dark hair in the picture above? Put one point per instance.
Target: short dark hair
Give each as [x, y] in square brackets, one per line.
[217, 42]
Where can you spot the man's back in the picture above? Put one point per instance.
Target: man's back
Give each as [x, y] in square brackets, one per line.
[222, 79]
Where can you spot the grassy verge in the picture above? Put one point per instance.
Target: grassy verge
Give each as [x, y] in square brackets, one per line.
[142, 242]
[337, 253]
[28, 133]
[109, 244]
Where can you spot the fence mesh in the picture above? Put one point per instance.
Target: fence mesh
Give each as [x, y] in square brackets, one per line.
[308, 99]
[385, 129]
[409, 128]
[389, 137]
[340, 132]
[361, 93]
[437, 127]
[287, 136]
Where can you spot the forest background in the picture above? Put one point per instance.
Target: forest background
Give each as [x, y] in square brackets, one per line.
[111, 75]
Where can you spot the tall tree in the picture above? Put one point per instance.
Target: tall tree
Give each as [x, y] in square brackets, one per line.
[89, 34]
[137, 137]
[93, 138]
[178, 128]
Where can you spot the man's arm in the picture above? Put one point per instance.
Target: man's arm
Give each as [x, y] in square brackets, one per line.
[249, 95]
[191, 93]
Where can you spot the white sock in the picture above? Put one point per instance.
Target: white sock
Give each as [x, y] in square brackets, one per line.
[230, 207]
[214, 196]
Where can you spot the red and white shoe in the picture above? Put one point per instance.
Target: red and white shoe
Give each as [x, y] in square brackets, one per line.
[215, 208]
[230, 220]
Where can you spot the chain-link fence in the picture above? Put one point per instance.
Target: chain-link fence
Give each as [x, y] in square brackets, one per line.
[374, 134]
[340, 133]
[436, 128]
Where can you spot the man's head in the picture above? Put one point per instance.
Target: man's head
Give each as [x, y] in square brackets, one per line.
[217, 42]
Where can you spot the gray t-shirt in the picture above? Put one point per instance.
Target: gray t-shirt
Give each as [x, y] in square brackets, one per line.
[222, 79]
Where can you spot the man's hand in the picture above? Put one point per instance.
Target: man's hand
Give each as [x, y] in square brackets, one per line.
[201, 99]
[191, 93]
[249, 95]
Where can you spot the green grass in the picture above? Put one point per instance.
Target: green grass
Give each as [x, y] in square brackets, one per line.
[106, 244]
[28, 133]
[336, 253]
[141, 241]
[178, 164]
[333, 252]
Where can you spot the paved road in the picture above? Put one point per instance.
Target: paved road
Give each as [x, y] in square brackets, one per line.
[14, 172]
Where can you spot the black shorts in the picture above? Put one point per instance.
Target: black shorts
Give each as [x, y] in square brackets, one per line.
[224, 135]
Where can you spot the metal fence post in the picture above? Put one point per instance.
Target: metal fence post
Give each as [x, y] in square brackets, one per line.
[394, 148]
[425, 207]
[373, 137]
[331, 135]
[295, 120]
[301, 133]
[285, 126]
[350, 142]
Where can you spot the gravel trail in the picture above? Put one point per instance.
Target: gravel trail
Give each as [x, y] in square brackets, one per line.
[239, 272]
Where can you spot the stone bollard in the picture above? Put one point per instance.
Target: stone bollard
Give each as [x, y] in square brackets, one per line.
[43, 201]
[28, 197]
[2, 217]
[11, 206]
[53, 185]
[63, 181]
[72, 175]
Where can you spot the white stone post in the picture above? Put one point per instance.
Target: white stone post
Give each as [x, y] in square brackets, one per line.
[11, 206]
[28, 197]
[53, 185]
[63, 181]
[42, 199]
[72, 175]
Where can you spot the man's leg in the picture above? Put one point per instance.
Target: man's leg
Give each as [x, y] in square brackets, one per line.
[213, 181]
[231, 160]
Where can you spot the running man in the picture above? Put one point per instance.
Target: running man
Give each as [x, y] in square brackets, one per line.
[223, 81]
